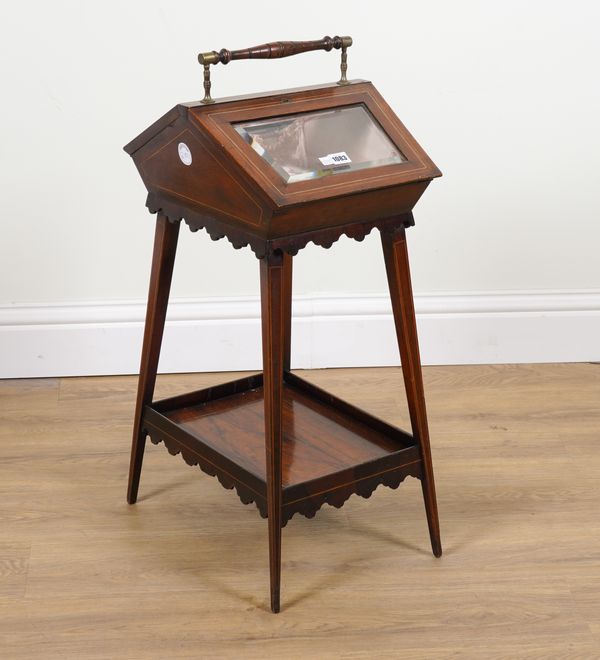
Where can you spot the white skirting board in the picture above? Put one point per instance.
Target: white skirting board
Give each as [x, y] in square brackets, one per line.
[328, 331]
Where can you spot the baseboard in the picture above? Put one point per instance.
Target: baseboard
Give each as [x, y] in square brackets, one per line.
[224, 334]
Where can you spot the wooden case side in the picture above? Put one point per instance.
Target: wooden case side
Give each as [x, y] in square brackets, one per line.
[331, 216]
[183, 166]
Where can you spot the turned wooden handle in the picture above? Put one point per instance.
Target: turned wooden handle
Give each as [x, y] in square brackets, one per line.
[274, 49]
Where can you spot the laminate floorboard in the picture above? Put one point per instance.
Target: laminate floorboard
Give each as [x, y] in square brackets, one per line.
[184, 572]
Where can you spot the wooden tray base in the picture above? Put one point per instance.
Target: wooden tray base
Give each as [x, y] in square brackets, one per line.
[330, 450]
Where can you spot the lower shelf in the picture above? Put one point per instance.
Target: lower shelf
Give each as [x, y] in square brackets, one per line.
[330, 450]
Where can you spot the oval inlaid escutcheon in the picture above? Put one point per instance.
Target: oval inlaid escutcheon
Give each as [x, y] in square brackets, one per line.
[185, 155]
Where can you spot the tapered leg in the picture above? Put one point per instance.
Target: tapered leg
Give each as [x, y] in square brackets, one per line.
[398, 275]
[165, 245]
[272, 291]
[287, 310]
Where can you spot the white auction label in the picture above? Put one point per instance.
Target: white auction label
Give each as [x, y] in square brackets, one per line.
[339, 158]
[185, 154]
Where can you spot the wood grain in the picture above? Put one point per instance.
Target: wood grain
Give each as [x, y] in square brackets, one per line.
[273, 303]
[517, 457]
[235, 425]
[163, 259]
[398, 274]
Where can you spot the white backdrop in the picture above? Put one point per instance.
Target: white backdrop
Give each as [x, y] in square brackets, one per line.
[504, 96]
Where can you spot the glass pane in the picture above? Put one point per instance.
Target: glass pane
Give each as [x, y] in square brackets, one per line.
[316, 144]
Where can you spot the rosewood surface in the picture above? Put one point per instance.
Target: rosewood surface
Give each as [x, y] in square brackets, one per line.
[279, 441]
[329, 448]
[165, 246]
[398, 274]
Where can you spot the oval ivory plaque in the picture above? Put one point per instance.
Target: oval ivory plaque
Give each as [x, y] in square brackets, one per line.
[185, 155]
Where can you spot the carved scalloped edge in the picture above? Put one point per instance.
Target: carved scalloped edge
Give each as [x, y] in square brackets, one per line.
[246, 495]
[216, 229]
[325, 238]
[337, 498]
[262, 247]
[307, 507]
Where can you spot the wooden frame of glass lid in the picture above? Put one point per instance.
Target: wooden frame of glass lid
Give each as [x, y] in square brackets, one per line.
[220, 123]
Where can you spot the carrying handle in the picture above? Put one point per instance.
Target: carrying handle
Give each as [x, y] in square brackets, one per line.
[271, 50]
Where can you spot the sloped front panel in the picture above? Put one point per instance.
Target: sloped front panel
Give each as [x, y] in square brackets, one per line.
[236, 127]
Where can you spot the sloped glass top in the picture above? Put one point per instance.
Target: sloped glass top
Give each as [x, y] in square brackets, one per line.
[311, 145]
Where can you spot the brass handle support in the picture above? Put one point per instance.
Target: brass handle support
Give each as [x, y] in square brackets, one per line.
[271, 50]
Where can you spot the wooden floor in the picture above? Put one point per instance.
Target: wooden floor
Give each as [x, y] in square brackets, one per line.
[184, 572]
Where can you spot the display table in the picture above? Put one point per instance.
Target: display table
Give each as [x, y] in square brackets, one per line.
[274, 172]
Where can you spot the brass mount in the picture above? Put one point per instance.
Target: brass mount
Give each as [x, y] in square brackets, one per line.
[273, 50]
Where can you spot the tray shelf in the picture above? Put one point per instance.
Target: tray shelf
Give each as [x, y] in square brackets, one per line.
[331, 449]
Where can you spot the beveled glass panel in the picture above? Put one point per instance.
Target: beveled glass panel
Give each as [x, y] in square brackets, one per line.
[311, 145]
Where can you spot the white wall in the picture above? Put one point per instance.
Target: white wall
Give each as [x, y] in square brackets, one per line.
[504, 96]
